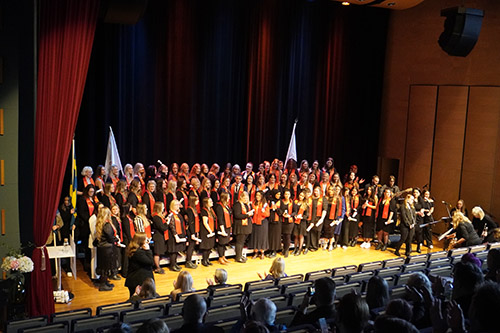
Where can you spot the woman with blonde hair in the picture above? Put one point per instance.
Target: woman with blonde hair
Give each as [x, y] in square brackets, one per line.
[482, 222]
[183, 284]
[276, 271]
[141, 222]
[464, 231]
[106, 253]
[176, 234]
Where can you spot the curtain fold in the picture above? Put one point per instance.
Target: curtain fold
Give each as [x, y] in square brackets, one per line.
[66, 36]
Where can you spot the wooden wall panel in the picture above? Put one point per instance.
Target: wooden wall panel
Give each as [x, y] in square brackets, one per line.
[448, 147]
[495, 195]
[419, 136]
[481, 146]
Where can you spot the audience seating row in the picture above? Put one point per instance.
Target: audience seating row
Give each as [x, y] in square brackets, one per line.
[224, 303]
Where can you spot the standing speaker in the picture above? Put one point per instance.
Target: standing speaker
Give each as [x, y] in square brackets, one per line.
[461, 30]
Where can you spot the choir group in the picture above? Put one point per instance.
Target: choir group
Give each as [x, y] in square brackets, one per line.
[183, 210]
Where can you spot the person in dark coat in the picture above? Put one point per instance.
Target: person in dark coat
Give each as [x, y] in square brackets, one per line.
[224, 226]
[407, 226]
[141, 262]
[207, 230]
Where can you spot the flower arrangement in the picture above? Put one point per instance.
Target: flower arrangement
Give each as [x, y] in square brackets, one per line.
[21, 264]
[15, 263]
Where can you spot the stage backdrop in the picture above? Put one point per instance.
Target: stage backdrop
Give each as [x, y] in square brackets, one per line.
[219, 81]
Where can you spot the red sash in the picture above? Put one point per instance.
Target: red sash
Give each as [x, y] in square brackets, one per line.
[259, 215]
[319, 207]
[147, 230]
[301, 212]
[178, 225]
[244, 211]
[114, 181]
[121, 229]
[196, 220]
[131, 226]
[385, 212]
[335, 209]
[355, 202]
[217, 193]
[112, 200]
[151, 201]
[91, 206]
[240, 190]
[184, 202]
[211, 222]
[86, 183]
[227, 217]
[251, 192]
[165, 233]
[368, 211]
[289, 208]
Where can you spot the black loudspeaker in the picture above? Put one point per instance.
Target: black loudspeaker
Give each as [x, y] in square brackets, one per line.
[123, 11]
[461, 30]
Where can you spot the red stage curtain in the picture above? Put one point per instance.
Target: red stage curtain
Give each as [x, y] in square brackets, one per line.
[66, 35]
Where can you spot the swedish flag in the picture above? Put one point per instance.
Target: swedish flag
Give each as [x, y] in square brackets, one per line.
[74, 182]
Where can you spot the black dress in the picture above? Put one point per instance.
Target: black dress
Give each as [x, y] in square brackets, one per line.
[287, 223]
[207, 243]
[106, 251]
[176, 227]
[466, 230]
[382, 218]
[159, 226]
[140, 268]
[275, 228]
[260, 228]
[223, 219]
[368, 219]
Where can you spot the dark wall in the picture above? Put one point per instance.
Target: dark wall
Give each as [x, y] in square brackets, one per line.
[219, 81]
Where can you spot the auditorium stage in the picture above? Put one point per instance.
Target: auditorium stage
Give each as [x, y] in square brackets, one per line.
[87, 295]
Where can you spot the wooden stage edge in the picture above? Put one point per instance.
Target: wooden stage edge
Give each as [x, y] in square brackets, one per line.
[88, 295]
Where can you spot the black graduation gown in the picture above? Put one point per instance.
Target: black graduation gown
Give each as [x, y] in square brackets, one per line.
[221, 221]
[238, 217]
[172, 245]
[207, 243]
[159, 228]
[140, 267]
[82, 217]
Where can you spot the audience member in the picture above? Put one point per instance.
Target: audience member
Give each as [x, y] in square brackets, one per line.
[183, 284]
[377, 293]
[276, 271]
[353, 314]
[264, 311]
[466, 278]
[219, 281]
[493, 265]
[155, 325]
[193, 313]
[388, 324]
[145, 291]
[484, 307]
[323, 296]
[399, 308]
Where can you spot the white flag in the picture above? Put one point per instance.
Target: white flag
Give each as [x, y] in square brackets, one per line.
[112, 156]
[292, 147]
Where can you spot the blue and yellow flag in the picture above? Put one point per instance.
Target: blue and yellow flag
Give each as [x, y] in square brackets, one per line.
[74, 182]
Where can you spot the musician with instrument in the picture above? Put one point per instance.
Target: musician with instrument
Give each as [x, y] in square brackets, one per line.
[464, 234]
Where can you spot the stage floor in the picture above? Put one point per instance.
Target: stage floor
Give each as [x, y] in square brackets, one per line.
[87, 295]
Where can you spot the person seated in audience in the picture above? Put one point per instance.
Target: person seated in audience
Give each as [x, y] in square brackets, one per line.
[219, 281]
[418, 285]
[377, 294]
[483, 313]
[276, 271]
[183, 284]
[193, 313]
[493, 260]
[353, 314]
[253, 326]
[120, 328]
[145, 291]
[323, 296]
[466, 278]
[389, 324]
[471, 258]
[154, 325]
[264, 311]
[399, 308]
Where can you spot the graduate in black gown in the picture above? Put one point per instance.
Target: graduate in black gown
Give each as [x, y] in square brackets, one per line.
[176, 235]
[207, 230]
[242, 214]
[192, 229]
[386, 215]
[274, 224]
[224, 226]
[160, 235]
[286, 213]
